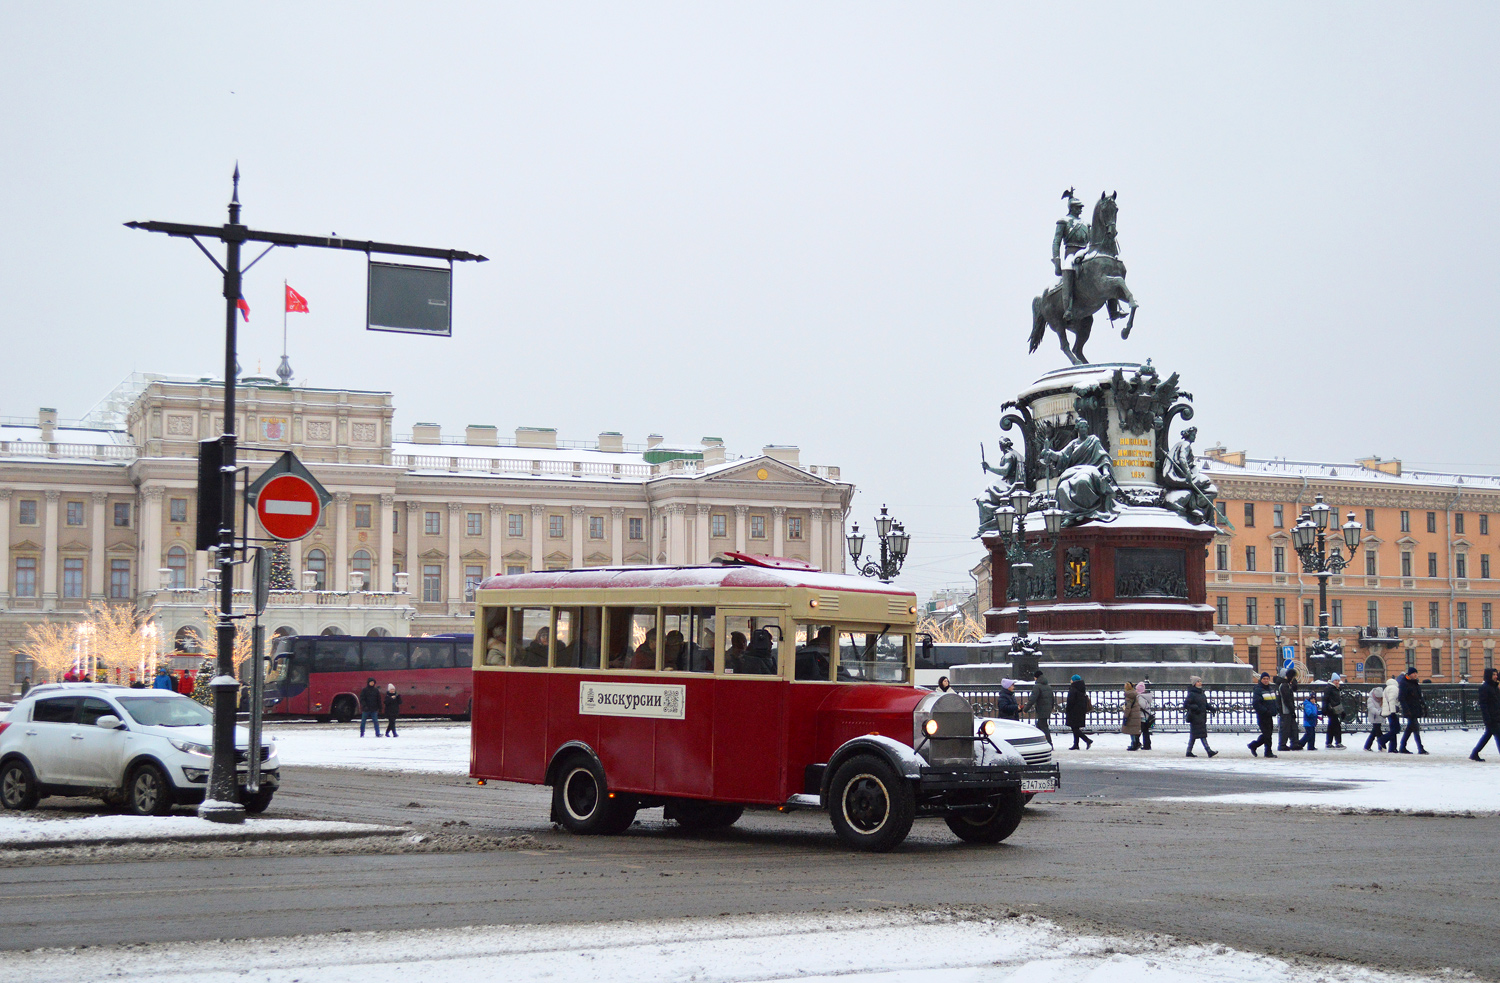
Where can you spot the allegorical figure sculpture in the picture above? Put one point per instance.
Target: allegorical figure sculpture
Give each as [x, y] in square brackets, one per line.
[1086, 259]
[1086, 482]
[1010, 472]
[1188, 491]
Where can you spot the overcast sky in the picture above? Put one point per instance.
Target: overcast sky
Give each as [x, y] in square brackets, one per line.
[812, 223]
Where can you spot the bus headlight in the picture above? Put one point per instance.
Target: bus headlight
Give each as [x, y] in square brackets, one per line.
[988, 728]
[930, 728]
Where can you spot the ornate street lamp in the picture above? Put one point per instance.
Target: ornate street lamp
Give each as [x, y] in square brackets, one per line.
[894, 542]
[1309, 538]
[1010, 523]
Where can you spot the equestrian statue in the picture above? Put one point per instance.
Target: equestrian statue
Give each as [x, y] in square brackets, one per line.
[1086, 260]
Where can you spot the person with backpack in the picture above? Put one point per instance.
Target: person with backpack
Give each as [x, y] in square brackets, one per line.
[1310, 711]
[1196, 709]
[1042, 703]
[1375, 707]
[1076, 713]
[1392, 705]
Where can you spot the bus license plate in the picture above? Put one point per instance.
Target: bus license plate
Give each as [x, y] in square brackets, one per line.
[1038, 785]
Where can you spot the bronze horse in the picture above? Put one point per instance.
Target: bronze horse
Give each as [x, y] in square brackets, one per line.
[1100, 283]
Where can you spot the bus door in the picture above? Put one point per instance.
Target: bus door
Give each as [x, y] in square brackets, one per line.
[428, 657]
[292, 665]
[335, 674]
[627, 743]
[685, 747]
[749, 709]
[525, 720]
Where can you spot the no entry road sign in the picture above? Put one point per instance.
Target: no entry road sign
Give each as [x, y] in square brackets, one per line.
[288, 499]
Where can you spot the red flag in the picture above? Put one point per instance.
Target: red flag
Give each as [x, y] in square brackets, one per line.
[295, 302]
[244, 308]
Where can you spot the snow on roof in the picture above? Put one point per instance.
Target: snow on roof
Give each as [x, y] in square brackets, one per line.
[651, 578]
[1331, 471]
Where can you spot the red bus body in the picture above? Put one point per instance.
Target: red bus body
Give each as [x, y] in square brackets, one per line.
[321, 675]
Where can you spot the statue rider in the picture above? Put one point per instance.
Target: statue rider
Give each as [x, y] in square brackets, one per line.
[1068, 245]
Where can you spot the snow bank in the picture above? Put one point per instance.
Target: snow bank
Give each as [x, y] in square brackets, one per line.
[32, 830]
[441, 750]
[850, 948]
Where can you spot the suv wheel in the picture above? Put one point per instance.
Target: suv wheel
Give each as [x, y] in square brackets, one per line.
[259, 802]
[18, 786]
[871, 806]
[148, 792]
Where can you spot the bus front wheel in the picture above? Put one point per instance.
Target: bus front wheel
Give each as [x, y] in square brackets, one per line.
[871, 806]
[343, 709]
[992, 825]
[582, 802]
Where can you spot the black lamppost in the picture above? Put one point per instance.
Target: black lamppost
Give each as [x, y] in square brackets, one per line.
[1010, 523]
[1309, 537]
[893, 545]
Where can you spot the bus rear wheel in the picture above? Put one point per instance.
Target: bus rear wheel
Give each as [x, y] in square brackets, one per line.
[582, 802]
[871, 806]
[696, 815]
[991, 825]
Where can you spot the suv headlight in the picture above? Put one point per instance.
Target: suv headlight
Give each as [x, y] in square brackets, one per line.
[189, 747]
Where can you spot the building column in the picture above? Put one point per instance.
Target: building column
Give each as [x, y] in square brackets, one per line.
[701, 552]
[49, 553]
[455, 561]
[778, 530]
[577, 559]
[149, 521]
[5, 561]
[741, 513]
[679, 547]
[341, 542]
[97, 560]
[816, 538]
[387, 565]
[413, 561]
[617, 536]
[538, 554]
[497, 544]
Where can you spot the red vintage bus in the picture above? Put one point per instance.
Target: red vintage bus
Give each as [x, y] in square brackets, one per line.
[321, 675]
[759, 683]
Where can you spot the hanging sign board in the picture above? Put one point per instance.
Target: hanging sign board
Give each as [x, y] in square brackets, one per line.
[410, 299]
[288, 500]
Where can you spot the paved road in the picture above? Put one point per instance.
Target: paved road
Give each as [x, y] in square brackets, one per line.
[1396, 891]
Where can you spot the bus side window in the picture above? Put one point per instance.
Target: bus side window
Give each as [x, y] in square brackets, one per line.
[331, 656]
[565, 638]
[590, 637]
[533, 636]
[442, 656]
[701, 639]
[385, 655]
[423, 654]
[494, 634]
[632, 638]
[751, 645]
[814, 651]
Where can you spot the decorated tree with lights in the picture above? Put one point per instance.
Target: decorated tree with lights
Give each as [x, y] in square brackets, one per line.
[281, 567]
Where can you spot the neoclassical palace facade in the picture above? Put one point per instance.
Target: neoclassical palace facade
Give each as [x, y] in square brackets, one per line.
[103, 510]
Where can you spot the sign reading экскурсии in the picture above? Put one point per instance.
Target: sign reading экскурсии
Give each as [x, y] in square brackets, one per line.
[632, 700]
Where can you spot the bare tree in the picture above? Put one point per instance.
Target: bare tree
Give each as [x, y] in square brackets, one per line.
[50, 647]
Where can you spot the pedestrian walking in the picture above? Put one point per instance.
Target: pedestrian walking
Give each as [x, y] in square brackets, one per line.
[1264, 699]
[1131, 713]
[1076, 713]
[26, 688]
[943, 685]
[1006, 706]
[1310, 711]
[392, 709]
[1196, 708]
[163, 679]
[369, 707]
[1375, 706]
[1392, 712]
[1147, 703]
[1489, 712]
[1333, 710]
[1286, 691]
[1043, 702]
[1412, 708]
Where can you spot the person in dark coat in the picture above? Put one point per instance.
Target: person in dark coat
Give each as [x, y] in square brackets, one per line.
[1196, 709]
[1043, 702]
[1489, 712]
[1333, 710]
[1287, 738]
[1006, 706]
[369, 707]
[392, 709]
[1264, 699]
[1412, 708]
[1076, 713]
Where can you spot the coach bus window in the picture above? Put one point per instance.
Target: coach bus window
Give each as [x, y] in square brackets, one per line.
[814, 651]
[533, 636]
[688, 645]
[384, 656]
[754, 652]
[578, 638]
[336, 657]
[632, 638]
[494, 634]
[872, 657]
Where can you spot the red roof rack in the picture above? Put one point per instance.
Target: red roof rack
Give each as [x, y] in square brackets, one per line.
[765, 560]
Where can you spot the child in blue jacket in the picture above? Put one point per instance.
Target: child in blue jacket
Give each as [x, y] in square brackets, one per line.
[1310, 711]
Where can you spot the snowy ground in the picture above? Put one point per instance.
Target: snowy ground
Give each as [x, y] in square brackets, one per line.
[1444, 780]
[858, 948]
[440, 749]
[30, 830]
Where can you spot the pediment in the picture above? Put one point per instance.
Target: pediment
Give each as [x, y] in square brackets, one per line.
[557, 557]
[596, 558]
[73, 546]
[775, 472]
[1461, 543]
[1371, 542]
[120, 548]
[433, 555]
[638, 560]
[476, 555]
[1406, 541]
[25, 545]
[516, 555]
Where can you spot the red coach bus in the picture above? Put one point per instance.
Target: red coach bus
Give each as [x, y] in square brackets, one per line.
[704, 690]
[321, 675]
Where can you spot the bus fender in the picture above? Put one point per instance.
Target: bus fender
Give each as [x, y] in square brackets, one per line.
[906, 761]
[555, 765]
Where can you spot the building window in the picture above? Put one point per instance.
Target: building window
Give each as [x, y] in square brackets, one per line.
[75, 513]
[1223, 612]
[362, 516]
[1408, 614]
[1369, 520]
[1406, 563]
[1405, 521]
[1432, 564]
[1463, 662]
[26, 576]
[317, 562]
[1437, 662]
[718, 525]
[1461, 566]
[1221, 556]
[1278, 560]
[1223, 512]
[1432, 522]
[1369, 563]
[395, 520]
[1432, 614]
[1252, 611]
[1461, 614]
[119, 579]
[360, 563]
[516, 523]
[1372, 614]
[122, 515]
[1458, 523]
[1336, 613]
[794, 527]
[473, 576]
[176, 510]
[1250, 558]
[73, 577]
[177, 564]
[26, 512]
[555, 526]
[432, 582]
[1278, 517]
[1249, 515]
[432, 523]
[512, 569]
[637, 528]
[596, 527]
[1484, 524]
[757, 527]
[1308, 617]
[474, 523]
[1484, 566]
[1253, 653]
[1278, 608]
[1486, 616]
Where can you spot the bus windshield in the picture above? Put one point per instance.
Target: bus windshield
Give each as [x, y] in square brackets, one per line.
[872, 656]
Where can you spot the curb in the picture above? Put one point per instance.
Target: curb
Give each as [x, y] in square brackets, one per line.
[248, 836]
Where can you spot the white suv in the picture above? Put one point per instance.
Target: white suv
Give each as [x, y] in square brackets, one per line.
[149, 749]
